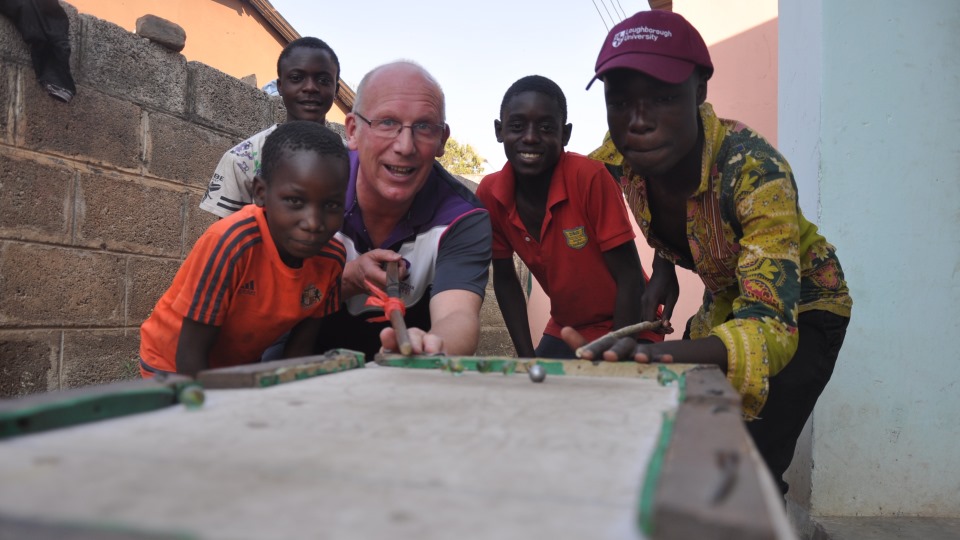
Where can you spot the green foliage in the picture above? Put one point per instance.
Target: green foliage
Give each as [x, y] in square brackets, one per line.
[461, 158]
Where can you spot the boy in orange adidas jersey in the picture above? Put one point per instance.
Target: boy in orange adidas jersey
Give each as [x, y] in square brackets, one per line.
[272, 267]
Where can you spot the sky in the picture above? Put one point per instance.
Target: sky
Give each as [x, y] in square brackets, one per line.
[476, 50]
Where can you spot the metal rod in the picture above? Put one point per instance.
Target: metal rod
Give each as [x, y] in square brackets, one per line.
[396, 318]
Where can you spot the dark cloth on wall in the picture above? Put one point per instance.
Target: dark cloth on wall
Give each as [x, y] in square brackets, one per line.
[46, 29]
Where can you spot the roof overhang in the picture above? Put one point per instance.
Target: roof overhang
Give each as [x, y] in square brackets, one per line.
[345, 95]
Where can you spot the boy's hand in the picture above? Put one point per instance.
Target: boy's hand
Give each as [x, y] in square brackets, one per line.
[611, 350]
[422, 342]
[662, 289]
[708, 350]
[369, 266]
[615, 350]
[647, 352]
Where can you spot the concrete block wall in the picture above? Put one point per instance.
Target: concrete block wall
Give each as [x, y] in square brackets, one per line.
[98, 198]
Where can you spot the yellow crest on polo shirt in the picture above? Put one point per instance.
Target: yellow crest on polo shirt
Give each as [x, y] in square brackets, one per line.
[576, 237]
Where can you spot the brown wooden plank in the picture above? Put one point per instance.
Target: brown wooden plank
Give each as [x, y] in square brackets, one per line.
[280, 371]
[709, 484]
[707, 384]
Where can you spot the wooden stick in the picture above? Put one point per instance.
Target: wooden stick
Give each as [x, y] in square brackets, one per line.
[608, 340]
[396, 318]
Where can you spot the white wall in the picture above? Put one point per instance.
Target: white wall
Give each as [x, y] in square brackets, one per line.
[870, 120]
[800, 81]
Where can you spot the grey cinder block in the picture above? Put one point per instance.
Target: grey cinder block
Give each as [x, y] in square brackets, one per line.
[130, 67]
[121, 213]
[46, 286]
[29, 362]
[162, 32]
[184, 152]
[36, 203]
[223, 101]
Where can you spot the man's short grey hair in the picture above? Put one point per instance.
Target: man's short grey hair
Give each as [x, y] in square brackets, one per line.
[358, 100]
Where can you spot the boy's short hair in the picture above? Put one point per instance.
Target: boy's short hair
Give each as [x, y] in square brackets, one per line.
[307, 43]
[539, 84]
[300, 135]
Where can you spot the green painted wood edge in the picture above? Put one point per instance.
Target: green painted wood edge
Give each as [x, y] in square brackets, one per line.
[357, 360]
[666, 376]
[651, 480]
[87, 408]
[486, 364]
[472, 363]
[16, 527]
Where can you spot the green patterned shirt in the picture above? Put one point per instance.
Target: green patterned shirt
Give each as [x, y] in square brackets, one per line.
[762, 263]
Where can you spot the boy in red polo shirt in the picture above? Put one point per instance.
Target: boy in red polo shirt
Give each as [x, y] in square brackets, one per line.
[270, 267]
[565, 216]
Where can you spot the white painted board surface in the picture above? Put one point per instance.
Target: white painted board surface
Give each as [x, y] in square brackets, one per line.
[368, 453]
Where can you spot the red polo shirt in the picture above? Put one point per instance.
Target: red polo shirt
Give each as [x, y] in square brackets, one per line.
[586, 215]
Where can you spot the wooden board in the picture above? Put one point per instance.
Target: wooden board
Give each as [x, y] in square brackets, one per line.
[384, 452]
[497, 364]
[41, 412]
[281, 371]
[709, 486]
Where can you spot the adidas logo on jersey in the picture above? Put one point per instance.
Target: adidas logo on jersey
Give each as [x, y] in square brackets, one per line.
[248, 288]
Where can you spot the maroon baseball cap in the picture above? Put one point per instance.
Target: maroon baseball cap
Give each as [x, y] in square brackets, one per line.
[660, 43]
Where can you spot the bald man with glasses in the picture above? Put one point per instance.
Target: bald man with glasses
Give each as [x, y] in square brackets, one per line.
[403, 206]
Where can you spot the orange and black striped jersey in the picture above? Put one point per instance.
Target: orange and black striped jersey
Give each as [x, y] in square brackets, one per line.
[233, 278]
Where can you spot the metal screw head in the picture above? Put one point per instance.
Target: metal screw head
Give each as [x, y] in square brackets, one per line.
[537, 373]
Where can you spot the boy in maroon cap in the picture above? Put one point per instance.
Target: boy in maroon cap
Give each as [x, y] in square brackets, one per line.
[713, 196]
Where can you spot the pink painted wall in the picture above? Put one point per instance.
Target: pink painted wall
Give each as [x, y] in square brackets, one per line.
[742, 37]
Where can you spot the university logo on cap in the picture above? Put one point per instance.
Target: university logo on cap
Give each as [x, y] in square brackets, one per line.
[659, 43]
[641, 32]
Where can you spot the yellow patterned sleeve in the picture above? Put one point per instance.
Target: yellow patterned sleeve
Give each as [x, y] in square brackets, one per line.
[761, 337]
[748, 357]
[768, 269]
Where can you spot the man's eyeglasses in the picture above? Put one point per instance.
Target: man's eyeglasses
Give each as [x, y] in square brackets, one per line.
[389, 128]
